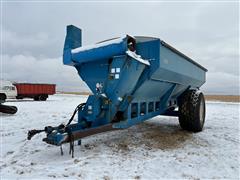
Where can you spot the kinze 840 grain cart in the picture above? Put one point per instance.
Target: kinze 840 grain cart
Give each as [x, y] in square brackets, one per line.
[132, 80]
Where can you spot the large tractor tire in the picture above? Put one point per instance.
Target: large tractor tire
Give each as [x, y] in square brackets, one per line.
[192, 111]
[8, 109]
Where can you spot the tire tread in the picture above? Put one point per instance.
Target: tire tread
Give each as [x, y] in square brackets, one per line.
[189, 105]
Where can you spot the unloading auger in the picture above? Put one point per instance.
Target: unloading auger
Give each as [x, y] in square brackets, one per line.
[132, 80]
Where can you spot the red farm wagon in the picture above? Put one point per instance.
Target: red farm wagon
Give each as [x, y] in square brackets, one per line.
[39, 92]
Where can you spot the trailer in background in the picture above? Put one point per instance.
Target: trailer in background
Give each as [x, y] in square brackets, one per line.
[39, 92]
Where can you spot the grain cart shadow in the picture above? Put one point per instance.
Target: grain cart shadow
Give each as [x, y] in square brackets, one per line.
[164, 136]
[153, 135]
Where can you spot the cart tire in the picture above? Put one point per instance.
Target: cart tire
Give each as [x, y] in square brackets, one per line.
[192, 111]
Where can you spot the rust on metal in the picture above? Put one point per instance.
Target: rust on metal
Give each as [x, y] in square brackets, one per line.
[89, 132]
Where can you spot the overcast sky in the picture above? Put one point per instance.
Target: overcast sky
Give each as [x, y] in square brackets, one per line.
[33, 36]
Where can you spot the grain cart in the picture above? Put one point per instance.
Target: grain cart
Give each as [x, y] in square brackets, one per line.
[133, 79]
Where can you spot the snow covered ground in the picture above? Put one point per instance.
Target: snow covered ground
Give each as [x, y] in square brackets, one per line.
[155, 149]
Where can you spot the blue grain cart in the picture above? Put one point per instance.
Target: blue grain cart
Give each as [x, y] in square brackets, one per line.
[132, 80]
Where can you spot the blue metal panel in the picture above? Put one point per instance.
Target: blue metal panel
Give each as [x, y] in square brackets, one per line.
[167, 68]
[148, 48]
[93, 73]
[103, 50]
[73, 40]
[175, 69]
[152, 89]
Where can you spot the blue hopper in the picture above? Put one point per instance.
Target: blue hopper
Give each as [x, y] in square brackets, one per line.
[132, 79]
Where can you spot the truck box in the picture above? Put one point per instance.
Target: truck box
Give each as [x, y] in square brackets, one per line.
[35, 91]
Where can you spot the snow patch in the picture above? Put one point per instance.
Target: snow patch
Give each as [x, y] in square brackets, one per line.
[98, 45]
[137, 57]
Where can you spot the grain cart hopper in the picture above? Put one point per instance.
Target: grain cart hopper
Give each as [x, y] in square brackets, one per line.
[133, 79]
